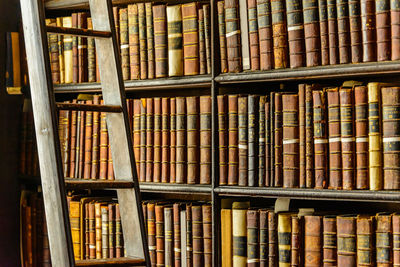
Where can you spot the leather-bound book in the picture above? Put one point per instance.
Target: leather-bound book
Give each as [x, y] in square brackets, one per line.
[82, 49]
[312, 33]
[391, 134]
[160, 246]
[302, 135]
[192, 117]
[157, 140]
[368, 28]
[207, 234]
[87, 172]
[320, 140]
[160, 40]
[80, 151]
[75, 66]
[116, 22]
[172, 155]
[279, 34]
[233, 150]
[335, 145]
[183, 238]
[297, 243]
[53, 49]
[396, 239]
[361, 127]
[309, 137]
[144, 210]
[384, 239]
[142, 162]
[346, 240]
[253, 35]
[189, 241]
[119, 240]
[272, 135]
[278, 132]
[68, 56]
[205, 139]
[226, 237]
[233, 46]
[74, 217]
[177, 234]
[207, 33]
[243, 148]
[202, 43]
[223, 138]
[343, 31]
[103, 146]
[268, 145]
[180, 140]
[92, 231]
[165, 151]
[313, 240]
[365, 240]
[97, 214]
[222, 37]
[133, 28]
[142, 40]
[261, 142]
[110, 167]
[295, 31]
[383, 28]
[104, 232]
[169, 238]
[355, 31]
[265, 34]
[149, 139]
[197, 237]
[253, 257]
[263, 238]
[151, 232]
[111, 229]
[323, 30]
[329, 242]
[136, 133]
[252, 142]
[244, 34]
[150, 40]
[284, 239]
[60, 42]
[190, 30]
[239, 233]
[175, 48]
[333, 33]
[95, 140]
[395, 28]
[66, 124]
[290, 143]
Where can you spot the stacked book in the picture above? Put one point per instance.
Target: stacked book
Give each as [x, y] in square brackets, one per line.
[155, 40]
[263, 35]
[261, 237]
[179, 234]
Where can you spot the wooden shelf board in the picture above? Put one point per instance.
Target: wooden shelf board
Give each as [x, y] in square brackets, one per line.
[310, 194]
[313, 73]
[96, 184]
[199, 81]
[125, 261]
[174, 188]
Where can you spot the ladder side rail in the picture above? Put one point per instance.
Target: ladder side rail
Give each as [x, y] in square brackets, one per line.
[48, 144]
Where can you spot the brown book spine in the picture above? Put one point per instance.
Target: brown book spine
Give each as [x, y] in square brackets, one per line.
[149, 139]
[395, 28]
[54, 52]
[110, 166]
[192, 117]
[312, 33]
[150, 40]
[320, 140]
[324, 31]
[243, 149]
[262, 147]
[279, 34]
[119, 241]
[189, 241]
[207, 32]
[111, 230]
[268, 145]
[333, 33]
[86, 231]
[169, 236]
[252, 142]
[151, 232]
[278, 132]
[116, 22]
[198, 254]
[361, 125]
[142, 40]
[95, 141]
[383, 28]
[177, 235]
[180, 164]
[157, 140]
[207, 234]
[309, 137]
[133, 28]
[97, 214]
[295, 31]
[160, 246]
[233, 150]
[297, 241]
[384, 240]
[124, 41]
[343, 31]
[265, 34]
[346, 240]
[136, 133]
[223, 138]
[202, 43]
[87, 171]
[82, 49]
[233, 35]
[172, 164]
[329, 241]
[81, 139]
[365, 238]
[368, 30]
[272, 239]
[355, 31]
[92, 232]
[75, 56]
[290, 143]
[302, 135]
[142, 162]
[253, 258]
[313, 240]
[335, 145]
[165, 139]
[263, 252]
[205, 139]
[104, 232]
[190, 29]
[160, 40]
[66, 140]
[222, 36]
[253, 34]
[396, 239]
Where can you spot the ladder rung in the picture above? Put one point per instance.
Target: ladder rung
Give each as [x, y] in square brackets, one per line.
[125, 261]
[78, 32]
[96, 184]
[89, 107]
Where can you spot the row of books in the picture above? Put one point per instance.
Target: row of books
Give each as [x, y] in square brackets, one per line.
[179, 234]
[261, 237]
[156, 41]
[263, 35]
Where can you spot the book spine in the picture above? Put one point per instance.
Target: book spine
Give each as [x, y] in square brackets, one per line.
[263, 238]
[333, 33]
[361, 128]
[151, 233]
[86, 237]
[110, 166]
[390, 139]
[160, 247]
[172, 158]
[272, 239]
[284, 239]
[239, 236]
[312, 33]
[233, 36]
[60, 42]
[278, 143]
[66, 140]
[290, 143]
[104, 232]
[226, 237]
[222, 36]
[150, 40]
[160, 41]
[346, 240]
[175, 48]
[207, 234]
[207, 32]
[74, 217]
[116, 22]
[68, 54]
[329, 241]
[368, 30]
[190, 29]
[119, 241]
[384, 240]
[302, 135]
[197, 238]
[265, 34]
[96, 140]
[313, 240]
[243, 145]
[383, 30]
[343, 31]
[272, 135]
[396, 240]
[142, 40]
[244, 34]
[157, 140]
[177, 235]
[268, 145]
[111, 230]
[395, 28]
[205, 140]
[355, 31]
[202, 43]
[81, 147]
[309, 137]
[165, 151]
[142, 162]
[134, 54]
[253, 258]
[223, 139]
[149, 139]
[75, 56]
[295, 33]
[233, 150]
[97, 210]
[87, 171]
[261, 142]
[192, 117]
[136, 133]
[82, 49]
[297, 241]
[189, 241]
[279, 34]
[335, 145]
[365, 245]
[253, 35]
[169, 239]
[92, 232]
[324, 31]
[180, 140]
[320, 139]
[252, 119]
[54, 53]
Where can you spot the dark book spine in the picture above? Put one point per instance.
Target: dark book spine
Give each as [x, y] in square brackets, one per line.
[190, 29]
[160, 41]
[395, 28]
[297, 241]
[252, 146]
[243, 146]
[368, 30]
[66, 124]
[233, 150]
[192, 117]
[149, 139]
[96, 140]
[54, 53]
[253, 257]
[265, 34]
[157, 140]
[396, 240]
[263, 238]
[284, 238]
[207, 37]
[207, 234]
[197, 224]
[165, 139]
[272, 135]
[343, 31]
[75, 56]
[323, 30]
[119, 239]
[302, 135]
[355, 31]
[278, 143]
[116, 22]
[172, 155]
[222, 36]
[223, 138]
[233, 36]
[177, 235]
[151, 233]
[111, 230]
[268, 145]
[133, 28]
[87, 171]
[82, 49]
[290, 141]
[136, 133]
[333, 33]
[205, 140]
[329, 241]
[150, 40]
[279, 34]
[189, 232]
[313, 240]
[160, 235]
[142, 40]
[142, 162]
[180, 140]
[169, 236]
[365, 237]
[383, 34]
[253, 34]
[320, 139]
[124, 42]
[202, 43]
[384, 239]
[272, 239]
[312, 33]
[295, 31]
[261, 142]
[346, 241]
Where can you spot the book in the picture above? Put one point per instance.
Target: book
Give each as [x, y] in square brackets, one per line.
[181, 140]
[175, 48]
[343, 31]
[151, 232]
[60, 42]
[262, 147]
[74, 216]
[222, 102]
[165, 139]
[207, 33]
[189, 235]
[252, 144]
[244, 34]
[263, 238]
[346, 240]
[104, 232]
[68, 56]
[226, 237]
[53, 49]
[202, 42]
[384, 240]
[124, 42]
[309, 136]
[383, 30]
[160, 41]
[222, 36]
[252, 237]
[302, 135]
[169, 239]
[268, 145]
[329, 241]
[233, 35]
[177, 218]
[157, 140]
[312, 33]
[395, 29]
[172, 164]
[149, 139]
[355, 31]
[368, 250]
[365, 243]
[279, 34]
[368, 30]
[183, 238]
[75, 62]
[160, 234]
[87, 171]
[233, 151]
[192, 134]
[295, 29]
[239, 233]
[324, 31]
[136, 133]
[265, 34]
[150, 41]
[190, 31]
[205, 140]
[333, 33]
[253, 35]
[134, 50]
[278, 140]
[142, 162]
[243, 138]
[207, 234]
[142, 41]
[272, 135]
[313, 240]
[284, 238]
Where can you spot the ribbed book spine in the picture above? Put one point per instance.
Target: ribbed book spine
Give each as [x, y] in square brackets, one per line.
[233, 149]
[149, 139]
[323, 30]
[205, 140]
[198, 249]
[157, 140]
[92, 231]
[119, 241]
[60, 42]
[207, 35]
[207, 234]
[253, 258]
[295, 30]
[169, 237]
[284, 239]
[313, 240]
[104, 232]
[346, 240]
[175, 48]
[110, 166]
[384, 239]
[383, 30]
[160, 235]
[202, 43]
[239, 234]
[253, 35]
[355, 31]
[265, 34]
[233, 36]
[190, 30]
[95, 140]
[165, 139]
[329, 241]
[272, 136]
[296, 258]
[160, 41]
[261, 142]
[177, 235]
[396, 240]
[223, 138]
[278, 132]
[302, 135]
[244, 34]
[91, 52]
[243, 146]
[54, 52]
[189, 232]
[343, 31]
[68, 56]
[268, 145]
[309, 137]
[133, 29]
[263, 238]
[111, 230]
[365, 240]
[192, 117]
[75, 66]
[172, 155]
[252, 143]
[88, 143]
[333, 33]
[181, 140]
[395, 28]
[142, 40]
[368, 30]
[222, 36]
[150, 40]
[124, 41]
[142, 162]
[103, 146]
[279, 34]
[116, 22]
[136, 133]
[97, 211]
[312, 33]
[151, 232]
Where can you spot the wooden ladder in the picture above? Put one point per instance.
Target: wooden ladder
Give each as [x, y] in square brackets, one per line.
[48, 144]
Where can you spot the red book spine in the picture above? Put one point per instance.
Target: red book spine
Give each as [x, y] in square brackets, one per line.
[192, 126]
[223, 139]
[157, 140]
[165, 151]
[233, 150]
[205, 139]
[149, 139]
